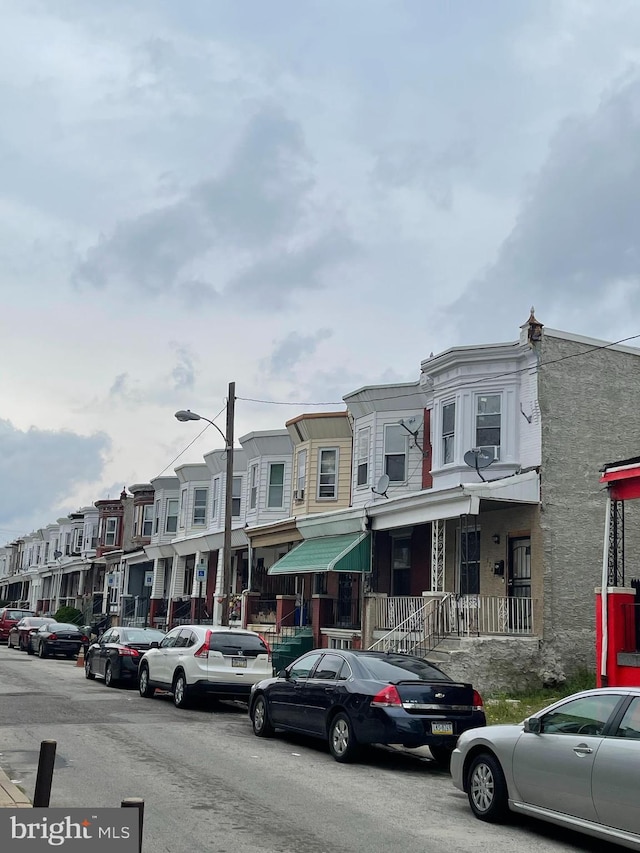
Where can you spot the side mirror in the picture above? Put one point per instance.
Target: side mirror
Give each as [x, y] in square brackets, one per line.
[154, 644]
[533, 726]
[283, 674]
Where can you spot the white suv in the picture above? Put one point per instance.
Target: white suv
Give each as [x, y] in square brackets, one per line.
[213, 660]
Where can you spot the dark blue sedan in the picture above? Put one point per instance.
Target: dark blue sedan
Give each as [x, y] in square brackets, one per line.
[351, 698]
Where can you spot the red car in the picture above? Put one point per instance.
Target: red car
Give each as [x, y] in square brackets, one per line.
[10, 616]
[20, 633]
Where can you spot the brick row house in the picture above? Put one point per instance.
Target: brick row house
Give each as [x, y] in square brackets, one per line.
[456, 516]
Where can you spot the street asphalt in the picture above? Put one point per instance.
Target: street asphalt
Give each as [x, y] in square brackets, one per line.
[210, 785]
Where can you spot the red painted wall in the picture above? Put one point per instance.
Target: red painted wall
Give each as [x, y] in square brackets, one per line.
[621, 637]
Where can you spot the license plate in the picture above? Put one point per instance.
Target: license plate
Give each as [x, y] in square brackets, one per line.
[241, 663]
[441, 728]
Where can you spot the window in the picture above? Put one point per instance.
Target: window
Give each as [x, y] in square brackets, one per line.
[585, 716]
[394, 668]
[170, 640]
[275, 495]
[236, 496]
[94, 536]
[156, 524]
[341, 643]
[200, 506]
[395, 453]
[362, 456]
[172, 516]
[302, 667]
[470, 562]
[329, 668]
[253, 487]
[215, 499]
[302, 474]
[183, 507]
[110, 532]
[77, 539]
[147, 520]
[67, 543]
[488, 422]
[630, 724]
[46, 552]
[328, 474]
[235, 643]
[448, 432]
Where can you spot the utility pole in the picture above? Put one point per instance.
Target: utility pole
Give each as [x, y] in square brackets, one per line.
[228, 505]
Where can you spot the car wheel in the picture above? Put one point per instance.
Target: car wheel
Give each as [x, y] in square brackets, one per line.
[260, 718]
[145, 688]
[42, 651]
[441, 755]
[342, 741]
[87, 669]
[29, 648]
[109, 680]
[487, 789]
[181, 692]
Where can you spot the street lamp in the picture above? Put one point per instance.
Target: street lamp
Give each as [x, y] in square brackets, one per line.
[185, 415]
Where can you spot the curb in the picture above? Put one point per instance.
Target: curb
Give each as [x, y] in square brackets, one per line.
[11, 797]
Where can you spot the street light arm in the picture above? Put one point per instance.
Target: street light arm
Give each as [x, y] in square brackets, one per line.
[224, 437]
[185, 415]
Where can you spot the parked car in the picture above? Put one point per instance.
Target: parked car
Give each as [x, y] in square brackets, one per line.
[116, 655]
[209, 660]
[575, 763]
[56, 638]
[19, 633]
[351, 698]
[10, 616]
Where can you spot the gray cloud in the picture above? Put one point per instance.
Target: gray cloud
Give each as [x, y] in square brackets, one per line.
[182, 377]
[183, 374]
[40, 468]
[293, 349]
[575, 248]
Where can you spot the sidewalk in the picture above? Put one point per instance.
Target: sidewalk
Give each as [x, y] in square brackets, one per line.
[12, 797]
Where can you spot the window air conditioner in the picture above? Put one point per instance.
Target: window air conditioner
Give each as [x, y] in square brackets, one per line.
[298, 495]
[492, 450]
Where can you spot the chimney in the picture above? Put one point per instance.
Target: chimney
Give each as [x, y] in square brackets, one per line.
[533, 330]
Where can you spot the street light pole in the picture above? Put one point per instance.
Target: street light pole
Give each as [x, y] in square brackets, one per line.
[228, 505]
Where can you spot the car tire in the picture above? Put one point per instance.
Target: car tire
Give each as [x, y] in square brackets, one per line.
[87, 669]
[343, 745]
[30, 650]
[487, 789]
[441, 755]
[144, 686]
[109, 680]
[181, 691]
[42, 651]
[260, 718]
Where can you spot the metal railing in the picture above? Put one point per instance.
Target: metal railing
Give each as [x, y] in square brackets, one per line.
[345, 613]
[421, 631]
[473, 615]
[135, 611]
[182, 613]
[262, 611]
[392, 611]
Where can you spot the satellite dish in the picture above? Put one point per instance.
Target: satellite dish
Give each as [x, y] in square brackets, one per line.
[381, 486]
[478, 458]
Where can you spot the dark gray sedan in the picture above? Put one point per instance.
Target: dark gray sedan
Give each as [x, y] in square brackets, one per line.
[576, 764]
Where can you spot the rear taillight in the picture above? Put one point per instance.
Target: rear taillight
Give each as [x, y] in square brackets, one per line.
[130, 653]
[387, 698]
[203, 651]
[478, 704]
[53, 636]
[267, 645]
[84, 639]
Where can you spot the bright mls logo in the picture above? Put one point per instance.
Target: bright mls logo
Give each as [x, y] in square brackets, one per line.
[82, 830]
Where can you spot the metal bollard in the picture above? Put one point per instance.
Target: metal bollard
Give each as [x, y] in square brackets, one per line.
[42, 793]
[136, 803]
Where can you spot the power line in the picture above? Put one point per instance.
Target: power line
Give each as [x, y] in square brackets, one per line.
[419, 392]
[191, 443]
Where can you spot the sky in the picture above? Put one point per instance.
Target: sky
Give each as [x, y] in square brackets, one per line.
[302, 198]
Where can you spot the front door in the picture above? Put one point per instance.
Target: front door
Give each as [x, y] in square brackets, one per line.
[519, 584]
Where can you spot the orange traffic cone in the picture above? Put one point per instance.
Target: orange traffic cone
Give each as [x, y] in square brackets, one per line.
[80, 658]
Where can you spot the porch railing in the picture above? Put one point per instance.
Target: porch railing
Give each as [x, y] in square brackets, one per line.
[421, 631]
[134, 612]
[392, 611]
[492, 614]
[345, 613]
[261, 611]
[182, 613]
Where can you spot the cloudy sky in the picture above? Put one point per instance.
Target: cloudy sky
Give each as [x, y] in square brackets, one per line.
[301, 197]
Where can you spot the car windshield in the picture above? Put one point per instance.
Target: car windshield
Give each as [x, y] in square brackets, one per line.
[32, 623]
[142, 636]
[232, 643]
[395, 668]
[17, 614]
[63, 626]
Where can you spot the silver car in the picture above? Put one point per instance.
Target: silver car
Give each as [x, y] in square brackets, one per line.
[576, 764]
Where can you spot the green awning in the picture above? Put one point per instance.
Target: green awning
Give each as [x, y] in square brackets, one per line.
[349, 552]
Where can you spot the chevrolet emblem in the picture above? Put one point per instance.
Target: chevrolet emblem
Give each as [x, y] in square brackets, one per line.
[439, 695]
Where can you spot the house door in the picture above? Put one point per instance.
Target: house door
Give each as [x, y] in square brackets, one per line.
[519, 584]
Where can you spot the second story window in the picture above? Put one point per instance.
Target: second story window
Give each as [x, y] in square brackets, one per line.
[67, 543]
[172, 516]
[253, 487]
[46, 552]
[362, 456]
[110, 532]
[200, 506]
[395, 453]
[236, 496]
[215, 499]
[488, 423]
[448, 432]
[94, 536]
[328, 473]
[147, 520]
[302, 474]
[77, 540]
[183, 507]
[156, 523]
[275, 492]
